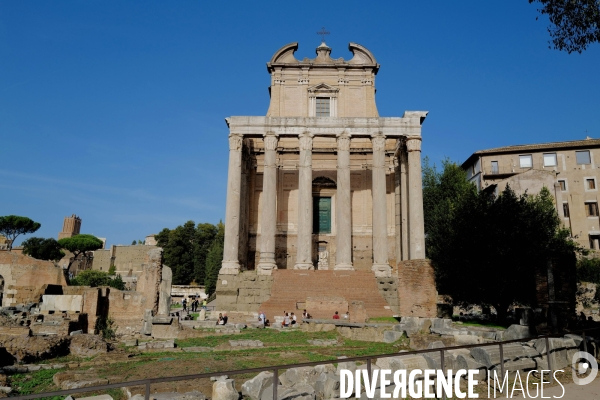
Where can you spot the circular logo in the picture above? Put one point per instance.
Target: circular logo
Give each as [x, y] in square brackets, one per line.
[584, 363]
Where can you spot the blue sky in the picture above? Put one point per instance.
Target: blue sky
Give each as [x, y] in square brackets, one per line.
[114, 110]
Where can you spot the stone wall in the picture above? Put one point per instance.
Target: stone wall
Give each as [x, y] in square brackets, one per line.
[128, 260]
[243, 292]
[25, 276]
[416, 289]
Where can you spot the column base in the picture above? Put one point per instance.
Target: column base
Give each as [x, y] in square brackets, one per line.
[305, 266]
[265, 268]
[344, 267]
[382, 270]
[229, 268]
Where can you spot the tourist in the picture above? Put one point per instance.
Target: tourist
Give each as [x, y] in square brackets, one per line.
[306, 315]
[220, 320]
[286, 321]
[184, 304]
[267, 323]
[225, 318]
[336, 315]
[347, 315]
[261, 317]
[204, 304]
[293, 319]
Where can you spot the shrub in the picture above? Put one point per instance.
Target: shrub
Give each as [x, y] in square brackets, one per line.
[95, 278]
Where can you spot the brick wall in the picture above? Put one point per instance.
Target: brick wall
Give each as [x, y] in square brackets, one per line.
[416, 288]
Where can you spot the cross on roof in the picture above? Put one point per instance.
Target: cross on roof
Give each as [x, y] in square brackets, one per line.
[323, 33]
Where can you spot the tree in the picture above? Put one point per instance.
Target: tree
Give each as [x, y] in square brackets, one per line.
[204, 237]
[95, 278]
[177, 247]
[80, 244]
[442, 193]
[485, 249]
[133, 243]
[575, 24]
[43, 249]
[11, 226]
[214, 257]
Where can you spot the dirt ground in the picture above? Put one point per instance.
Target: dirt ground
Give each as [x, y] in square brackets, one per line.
[280, 348]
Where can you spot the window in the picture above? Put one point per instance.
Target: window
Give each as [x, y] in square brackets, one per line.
[550, 160]
[525, 161]
[594, 241]
[583, 157]
[495, 167]
[591, 209]
[563, 186]
[566, 210]
[590, 184]
[323, 107]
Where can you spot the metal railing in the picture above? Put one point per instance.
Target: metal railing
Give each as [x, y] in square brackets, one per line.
[275, 369]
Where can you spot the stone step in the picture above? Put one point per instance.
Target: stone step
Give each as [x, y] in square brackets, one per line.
[291, 287]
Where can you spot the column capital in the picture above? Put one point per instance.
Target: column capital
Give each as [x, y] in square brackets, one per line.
[235, 142]
[378, 142]
[306, 141]
[343, 142]
[270, 141]
[413, 144]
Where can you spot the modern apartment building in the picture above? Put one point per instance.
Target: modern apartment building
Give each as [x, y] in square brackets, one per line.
[567, 169]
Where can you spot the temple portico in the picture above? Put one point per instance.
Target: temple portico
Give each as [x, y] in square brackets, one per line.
[322, 182]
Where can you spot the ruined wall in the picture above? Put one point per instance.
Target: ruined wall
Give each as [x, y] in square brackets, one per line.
[416, 289]
[128, 260]
[25, 276]
[243, 292]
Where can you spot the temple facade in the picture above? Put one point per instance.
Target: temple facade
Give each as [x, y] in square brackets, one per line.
[322, 182]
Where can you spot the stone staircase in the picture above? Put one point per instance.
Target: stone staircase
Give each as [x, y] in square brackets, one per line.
[291, 288]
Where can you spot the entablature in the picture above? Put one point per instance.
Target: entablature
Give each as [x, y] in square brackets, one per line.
[407, 126]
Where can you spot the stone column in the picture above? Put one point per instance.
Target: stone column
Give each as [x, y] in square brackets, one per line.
[343, 253]
[404, 203]
[268, 220]
[230, 264]
[415, 200]
[305, 205]
[381, 266]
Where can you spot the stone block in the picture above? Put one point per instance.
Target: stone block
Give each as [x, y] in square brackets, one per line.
[466, 361]
[409, 363]
[490, 355]
[99, 397]
[392, 336]
[327, 386]
[294, 376]
[255, 387]
[518, 332]
[224, 390]
[558, 352]
[53, 302]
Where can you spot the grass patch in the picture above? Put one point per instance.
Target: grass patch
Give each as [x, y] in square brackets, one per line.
[35, 382]
[384, 320]
[267, 336]
[485, 324]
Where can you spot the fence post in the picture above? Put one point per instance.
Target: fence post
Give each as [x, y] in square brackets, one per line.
[147, 396]
[548, 356]
[501, 362]
[443, 367]
[275, 382]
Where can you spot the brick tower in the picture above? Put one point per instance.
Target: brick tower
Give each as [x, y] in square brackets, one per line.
[71, 227]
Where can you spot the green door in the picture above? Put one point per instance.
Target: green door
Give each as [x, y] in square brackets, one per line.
[322, 214]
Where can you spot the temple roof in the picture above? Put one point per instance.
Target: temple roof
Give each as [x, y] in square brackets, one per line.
[362, 57]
